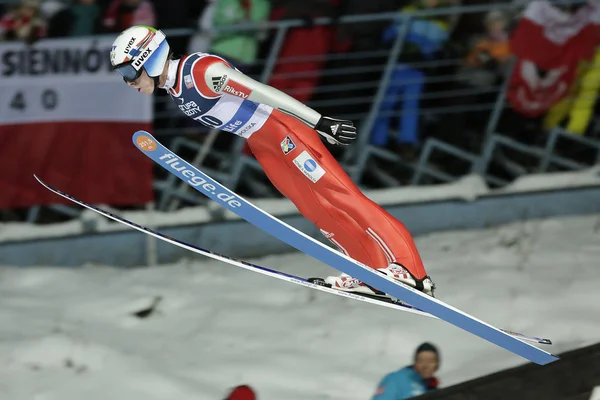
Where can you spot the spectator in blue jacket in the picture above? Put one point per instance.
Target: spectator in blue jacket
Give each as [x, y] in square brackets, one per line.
[425, 37]
[413, 380]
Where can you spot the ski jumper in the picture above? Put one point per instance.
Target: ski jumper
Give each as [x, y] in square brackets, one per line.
[294, 158]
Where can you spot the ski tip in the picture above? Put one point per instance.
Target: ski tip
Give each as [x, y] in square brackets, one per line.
[527, 338]
[144, 141]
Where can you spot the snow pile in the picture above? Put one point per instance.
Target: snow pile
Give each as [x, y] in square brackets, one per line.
[196, 328]
[564, 180]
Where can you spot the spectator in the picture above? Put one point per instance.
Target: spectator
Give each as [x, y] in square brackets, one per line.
[366, 36]
[424, 39]
[239, 47]
[25, 23]
[413, 380]
[576, 110]
[426, 35]
[201, 39]
[302, 55]
[181, 14]
[81, 18]
[359, 37]
[550, 43]
[488, 59]
[242, 392]
[485, 63]
[178, 13]
[122, 14]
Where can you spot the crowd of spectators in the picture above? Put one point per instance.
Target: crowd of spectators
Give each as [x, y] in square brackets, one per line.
[444, 83]
[31, 20]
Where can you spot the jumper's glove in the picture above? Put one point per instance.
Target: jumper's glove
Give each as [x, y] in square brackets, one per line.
[336, 131]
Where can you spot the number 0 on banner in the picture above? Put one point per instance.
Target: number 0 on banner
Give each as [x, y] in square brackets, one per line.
[48, 100]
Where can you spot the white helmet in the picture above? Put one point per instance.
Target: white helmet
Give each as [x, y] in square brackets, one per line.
[139, 48]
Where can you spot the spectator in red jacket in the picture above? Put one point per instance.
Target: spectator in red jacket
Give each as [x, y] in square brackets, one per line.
[302, 55]
[123, 14]
[25, 23]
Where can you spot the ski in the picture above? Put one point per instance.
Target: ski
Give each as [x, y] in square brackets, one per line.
[313, 283]
[207, 186]
[204, 184]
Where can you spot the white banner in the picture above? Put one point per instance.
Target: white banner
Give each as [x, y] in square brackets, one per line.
[62, 80]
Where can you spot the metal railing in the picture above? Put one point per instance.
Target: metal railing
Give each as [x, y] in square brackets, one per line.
[356, 90]
[365, 107]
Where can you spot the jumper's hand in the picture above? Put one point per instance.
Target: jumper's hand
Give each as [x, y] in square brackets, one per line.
[336, 131]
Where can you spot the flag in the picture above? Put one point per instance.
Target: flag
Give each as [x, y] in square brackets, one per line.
[549, 45]
[66, 116]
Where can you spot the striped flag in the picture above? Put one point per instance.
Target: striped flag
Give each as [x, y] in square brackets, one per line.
[60, 103]
[549, 44]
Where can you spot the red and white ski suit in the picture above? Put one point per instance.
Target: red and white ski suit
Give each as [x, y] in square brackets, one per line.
[280, 134]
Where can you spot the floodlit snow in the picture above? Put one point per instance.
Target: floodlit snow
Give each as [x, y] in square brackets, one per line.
[69, 334]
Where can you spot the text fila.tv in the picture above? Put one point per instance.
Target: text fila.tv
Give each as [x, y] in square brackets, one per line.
[198, 181]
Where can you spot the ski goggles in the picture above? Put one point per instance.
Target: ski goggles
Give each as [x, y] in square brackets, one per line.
[127, 71]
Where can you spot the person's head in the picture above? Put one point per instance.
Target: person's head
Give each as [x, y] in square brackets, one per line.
[496, 22]
[140, 54]
[427, 360]
[28, 8]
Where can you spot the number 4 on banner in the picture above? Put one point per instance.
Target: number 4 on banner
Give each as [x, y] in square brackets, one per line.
[18, 101]
[49, 100]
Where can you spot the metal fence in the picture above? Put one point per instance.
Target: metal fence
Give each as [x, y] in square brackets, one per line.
[353, 84]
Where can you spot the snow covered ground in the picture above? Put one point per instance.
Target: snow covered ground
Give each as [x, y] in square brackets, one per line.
[69, 334]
